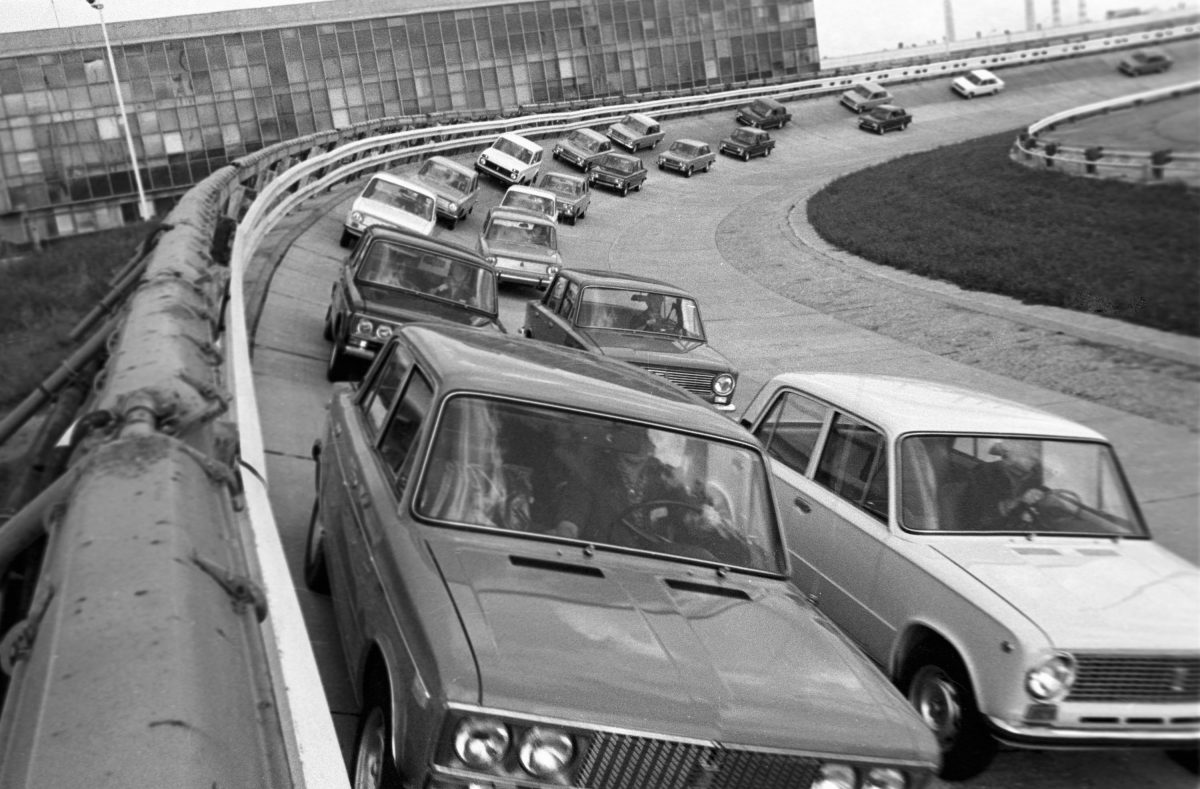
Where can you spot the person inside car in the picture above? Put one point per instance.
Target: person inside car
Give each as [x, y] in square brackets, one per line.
[654, 317]
[1002, 492]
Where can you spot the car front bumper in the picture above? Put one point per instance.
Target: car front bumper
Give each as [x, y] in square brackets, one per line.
[1026, 736]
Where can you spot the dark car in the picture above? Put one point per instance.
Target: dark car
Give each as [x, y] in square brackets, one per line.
[549, 569]
[572, 194]
[581, 147]
[618, 171]
[687, 156]
[643, 321]
[747, 142]
[393, 278]
[885, 118]
[765, 113]
[1150, 60]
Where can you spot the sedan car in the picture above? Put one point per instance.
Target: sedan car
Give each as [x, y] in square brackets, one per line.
[395, 278]
[687, 156]
[1150, 60]
[747, 142]
[991, 558]
[765, 113]
[512, 159]
[864, 96]
[581, 147]
[643, 321]
[885, 118]
[549, 569]
[618, 171]
[636, 131]
[455, 185]
[391, 201]
[979, 82]
[523, 247]
[572, 194]
[538, 202]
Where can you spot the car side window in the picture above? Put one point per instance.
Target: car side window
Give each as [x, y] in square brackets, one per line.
[853, 465]
[379, 392]
[569, 301]
[407, 418]
[791, 429]
[555, 293]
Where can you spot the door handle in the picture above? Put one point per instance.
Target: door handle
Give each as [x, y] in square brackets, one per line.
[802, 505]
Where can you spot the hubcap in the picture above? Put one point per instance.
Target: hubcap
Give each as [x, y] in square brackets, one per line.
[937, 702]
[368, 762]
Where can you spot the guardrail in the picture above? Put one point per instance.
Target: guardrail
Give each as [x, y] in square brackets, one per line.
[164, 644]
[1032, 149]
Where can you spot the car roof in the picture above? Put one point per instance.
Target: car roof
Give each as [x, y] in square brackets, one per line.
[870, 85]
[619, 155]
[769, 100]
[520, 215]
[889, 107]
[595, 135]
[426, 243]
[459, 166]
[690, 141]
[1158, 51]
[472, 360]
[530, 190]
[522, 141]
[642, 118]
[407, 183]
[904, 405]
[559, 175]
[982, 72]
[616, 279]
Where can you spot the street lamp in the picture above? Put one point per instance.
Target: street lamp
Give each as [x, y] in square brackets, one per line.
[144, 207]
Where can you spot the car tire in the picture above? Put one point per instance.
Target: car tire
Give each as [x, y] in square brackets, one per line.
[624, 189]
[941, 692]
[452, 223]
[638, 188]
[373, 767]
[745, 156]
[687, 173]
[768, 152]
[707, 166]
[346, 240]
[316, 571]
[335, 369]
[880, 130]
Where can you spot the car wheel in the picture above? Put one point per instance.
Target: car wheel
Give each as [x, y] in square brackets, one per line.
[662, 166]
[328, 333]
[880, 130]
[905, 126]
[347, 239]
[638, 187]
[707, 166]
[316, 571]
[687, 173]
[451, 223]
[768, 152]
[572, 220]
[745, 156]
[335, 370]
[941, 693]
[624, 189]
[373, 766]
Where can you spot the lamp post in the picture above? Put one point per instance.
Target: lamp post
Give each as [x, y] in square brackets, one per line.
[144, 208]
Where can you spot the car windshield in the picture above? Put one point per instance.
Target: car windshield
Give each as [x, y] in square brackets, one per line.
[528, 202]
[587, 142]
[761, 107]
[515, 232]
[635, 125]
[1014, 485]
[513, 149]
[639, 310]
[620, 165]
[685, 148]
[399, 196]
[428, 273]
[974, 77]
[745, 136]
[880, 113]
[533, 469]
[438, 173]
[862, 91]
[563, 184]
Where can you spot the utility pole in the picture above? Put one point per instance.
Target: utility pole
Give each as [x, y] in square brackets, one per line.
[145, 210]
[948, 10]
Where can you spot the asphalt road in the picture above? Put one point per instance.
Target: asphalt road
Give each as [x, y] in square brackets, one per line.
[775, 298]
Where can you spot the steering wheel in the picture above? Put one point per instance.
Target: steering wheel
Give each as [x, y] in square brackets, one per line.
[624, 519]
[1066, 504]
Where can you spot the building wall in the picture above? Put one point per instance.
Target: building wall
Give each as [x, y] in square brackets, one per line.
[209, 88]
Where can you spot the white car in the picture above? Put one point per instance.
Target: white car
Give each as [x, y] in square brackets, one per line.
[540, 202]
[979, 82]
[991, 558]
[512, 159]
[391, 201]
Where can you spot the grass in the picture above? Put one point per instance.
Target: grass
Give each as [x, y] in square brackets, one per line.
[967, 214]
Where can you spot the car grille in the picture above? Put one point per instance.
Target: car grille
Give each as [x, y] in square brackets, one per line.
[1129, 678]
[695, 381]
[619, 761]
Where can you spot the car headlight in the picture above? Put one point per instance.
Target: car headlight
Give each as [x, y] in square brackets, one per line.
[356, 217]
[364, 327]
[545, 752]
[885, 778]
[481, 742]
[483, 159]
[723, 384]
[1051, 679]
[452, 207]
[835, 776]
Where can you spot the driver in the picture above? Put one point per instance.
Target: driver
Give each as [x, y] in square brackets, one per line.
[457, 286]
[653, 318]
[1002, 492]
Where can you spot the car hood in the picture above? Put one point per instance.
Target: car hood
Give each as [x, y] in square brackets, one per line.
[528, 252]
[732, 143]
[445, 191]
[382, 214]
[677, 157]
[1090, 594]
[617, 644]
[648, 348]
[403, 307]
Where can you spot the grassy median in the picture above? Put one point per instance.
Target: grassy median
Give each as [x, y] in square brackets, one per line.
[966, 214]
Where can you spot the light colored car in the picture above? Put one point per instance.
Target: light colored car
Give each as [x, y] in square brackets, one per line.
[581, 147]
[572, 194]
[991, 557]
[512, 159]
[539, 202]
[391, 201]
[687, 156]
[864, 96]
[456, 187]
[636, 131]
[979, 82]
[522, 246]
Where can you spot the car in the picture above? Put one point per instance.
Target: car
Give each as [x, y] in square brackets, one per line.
[539, 202]
[687, 156]
[549, 569]
[765, 113]
[618, 171]
[572, 194]
[643, 321]
[392, 201]
[747, 142]
[393, 278]
[455, 185]
[991, 557]
[636, 131]
[522, 246]
[978, 82]
[885, 118]
[863, 96]
[512, 159]
[581, 147]
[1150, 60]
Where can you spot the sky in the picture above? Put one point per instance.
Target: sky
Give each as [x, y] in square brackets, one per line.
[844, 27]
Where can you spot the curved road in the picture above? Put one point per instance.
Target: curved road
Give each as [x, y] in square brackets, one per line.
[776, 298]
